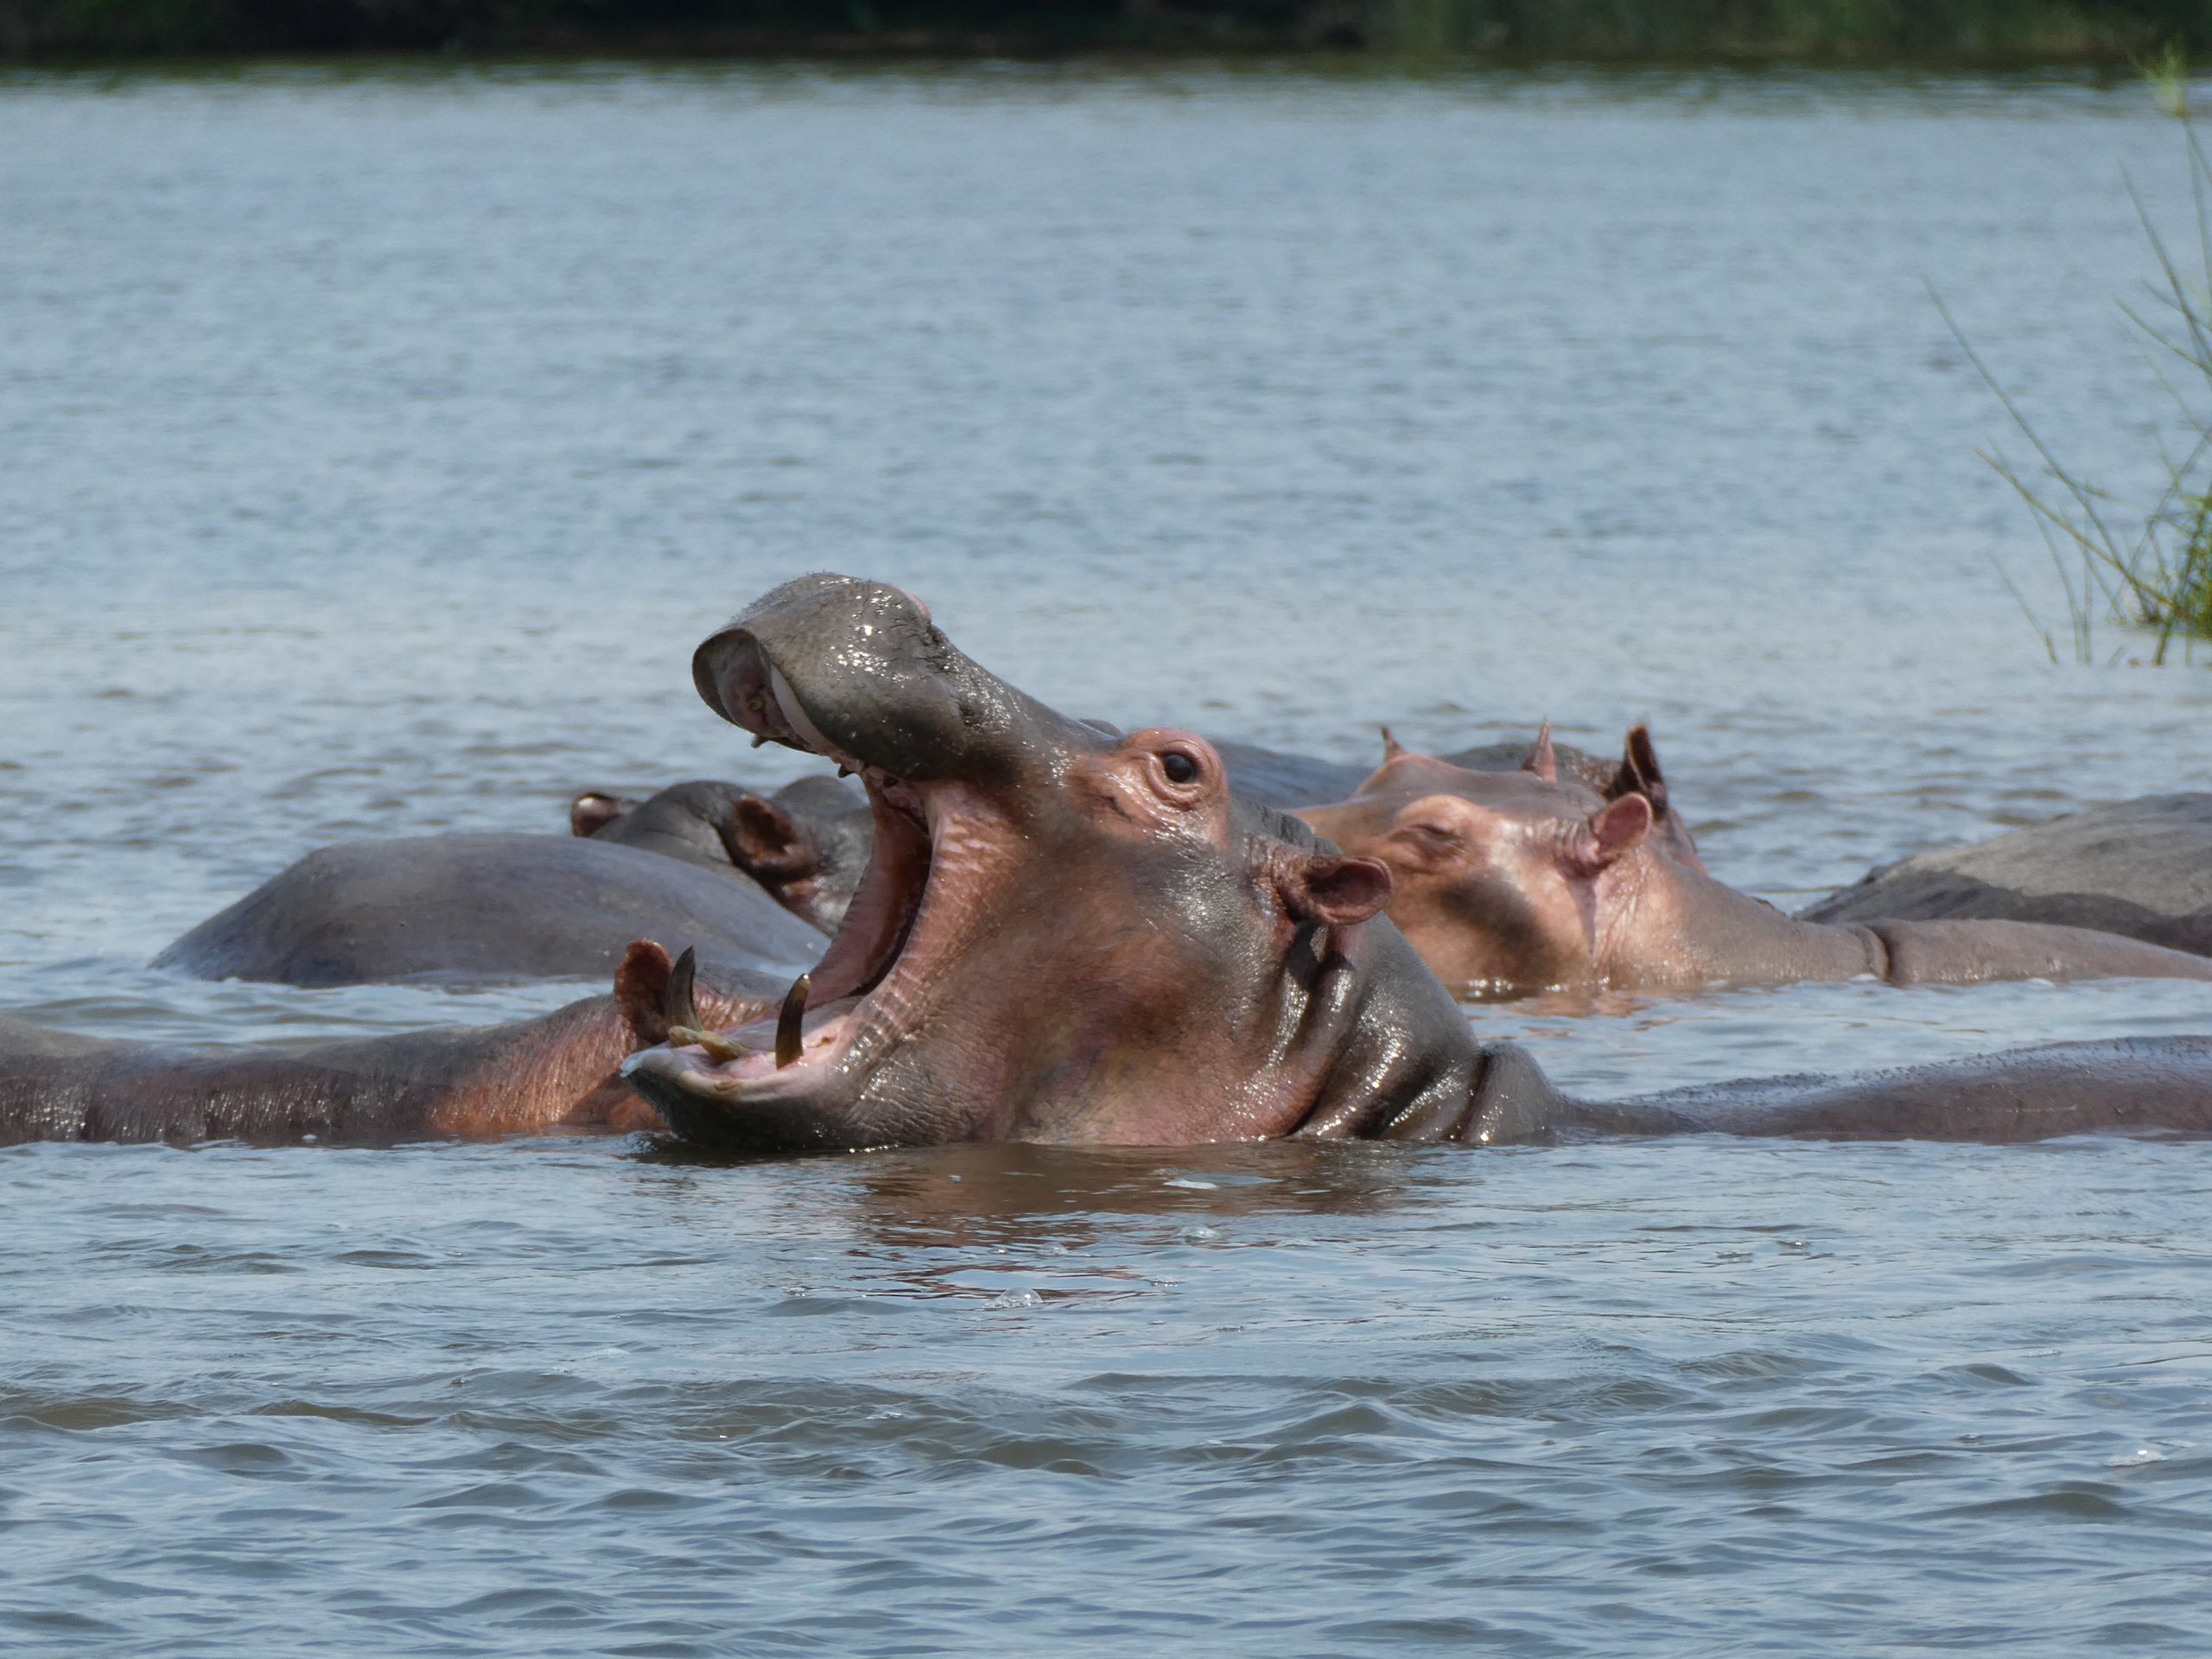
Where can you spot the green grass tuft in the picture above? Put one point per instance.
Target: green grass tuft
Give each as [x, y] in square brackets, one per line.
[2147, 567]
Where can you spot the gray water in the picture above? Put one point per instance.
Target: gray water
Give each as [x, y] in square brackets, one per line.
[373, 450]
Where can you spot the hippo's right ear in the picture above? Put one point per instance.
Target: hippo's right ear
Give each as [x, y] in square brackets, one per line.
[1335, 891]
[767, 843]
[1640, 771]
[593, 809]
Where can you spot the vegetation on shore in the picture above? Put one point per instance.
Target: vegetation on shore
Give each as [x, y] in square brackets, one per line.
[2149, 566]
[1987, 33]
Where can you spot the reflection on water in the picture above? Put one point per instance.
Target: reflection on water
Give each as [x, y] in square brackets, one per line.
[378, 447]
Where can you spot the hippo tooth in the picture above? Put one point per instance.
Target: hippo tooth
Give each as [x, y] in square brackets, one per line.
[677, 1001]
[789, 1030]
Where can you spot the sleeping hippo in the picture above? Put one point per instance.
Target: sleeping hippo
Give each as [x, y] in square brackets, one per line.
[806, 845]
[488, 907]
[1062, 936]
[1511, 883]
[2141, 867]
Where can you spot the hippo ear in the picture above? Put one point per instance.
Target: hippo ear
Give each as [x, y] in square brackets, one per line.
[1616, 830]
[1391, 748]
[765, 841]
[641, 992]
[1543, 759]
[1331, 889]
[1639, 771]
[593, 809]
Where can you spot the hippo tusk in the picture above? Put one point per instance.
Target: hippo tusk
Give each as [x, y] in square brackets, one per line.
[789, 1031]
[681, 1006]
[676, 1000]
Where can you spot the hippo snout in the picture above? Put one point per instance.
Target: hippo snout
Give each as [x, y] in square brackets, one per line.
[856, 669]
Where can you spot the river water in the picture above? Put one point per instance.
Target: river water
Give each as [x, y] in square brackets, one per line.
[374, 446]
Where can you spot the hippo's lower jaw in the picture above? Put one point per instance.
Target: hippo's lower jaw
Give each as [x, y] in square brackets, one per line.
[863, 1000]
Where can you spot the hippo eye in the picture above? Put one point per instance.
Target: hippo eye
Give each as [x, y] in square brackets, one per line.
[1430, 840]
[1179, 767]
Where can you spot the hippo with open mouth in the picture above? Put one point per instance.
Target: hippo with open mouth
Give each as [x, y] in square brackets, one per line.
[1065, 935]
[1061, 934]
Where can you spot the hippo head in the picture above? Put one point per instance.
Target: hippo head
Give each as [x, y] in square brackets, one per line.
[805, 844]
[1499, 878]
[1061, 935]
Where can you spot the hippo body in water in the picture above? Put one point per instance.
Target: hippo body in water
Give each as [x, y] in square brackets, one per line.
[809, 844]
[558, 1071]
[1509, 884]
[488, 907]
[1062, 936]
[1279, 778]
[806, 845]
[1214, 972]
[2140, 867]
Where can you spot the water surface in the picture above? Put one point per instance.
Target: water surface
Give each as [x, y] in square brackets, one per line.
[376, 448]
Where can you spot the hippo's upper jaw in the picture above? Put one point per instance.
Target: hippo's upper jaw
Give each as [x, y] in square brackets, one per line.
[1062, 935]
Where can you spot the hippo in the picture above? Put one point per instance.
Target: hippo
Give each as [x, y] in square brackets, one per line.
[1062, 937]
[558, 1071]
[1509, 883]
[488, 907]
[806, 845]
[1069, 936]
[1284, 779]
[2141, 867]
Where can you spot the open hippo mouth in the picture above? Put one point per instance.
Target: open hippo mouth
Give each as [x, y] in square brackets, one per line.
[1062, 934]
[853, 992]
[854, 672]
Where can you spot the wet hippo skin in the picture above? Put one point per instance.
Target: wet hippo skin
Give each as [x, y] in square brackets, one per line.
[809, 844]
[488, 907]
[1070, 935]
[526, 1076]
[2141, 867]
[805, 844]
[1062, 937]
[1512, 883]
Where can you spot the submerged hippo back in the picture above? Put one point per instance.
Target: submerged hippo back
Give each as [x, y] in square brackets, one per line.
[490, 907]
[2141, 867]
